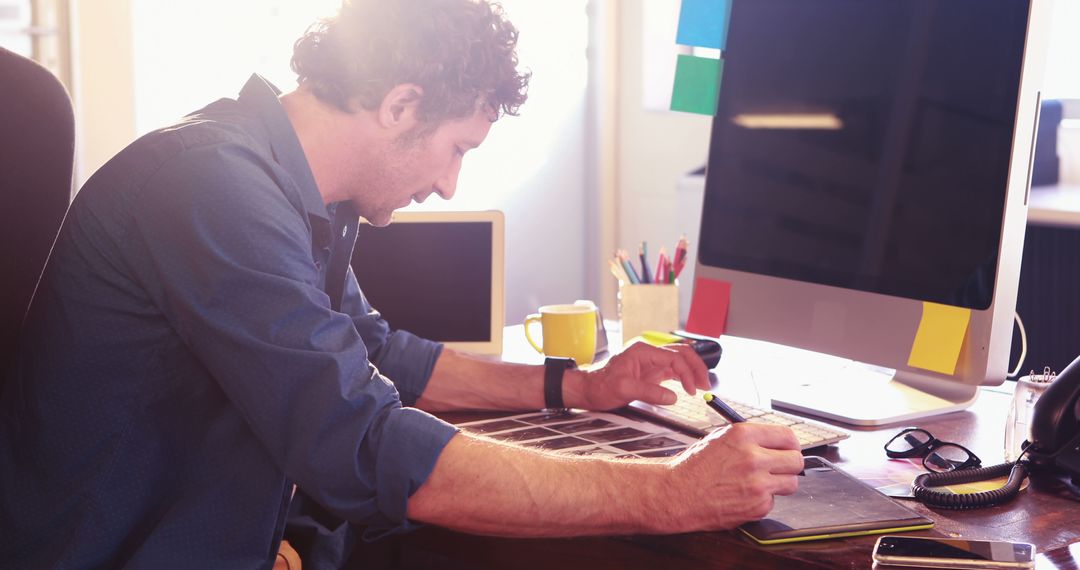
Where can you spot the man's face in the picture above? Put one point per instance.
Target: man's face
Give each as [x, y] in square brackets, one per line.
[418, 164]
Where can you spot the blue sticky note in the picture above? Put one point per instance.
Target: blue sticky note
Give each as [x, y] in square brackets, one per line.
[703, 23]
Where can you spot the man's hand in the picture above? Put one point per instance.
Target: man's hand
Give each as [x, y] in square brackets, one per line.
[636, 374]
[730, 477]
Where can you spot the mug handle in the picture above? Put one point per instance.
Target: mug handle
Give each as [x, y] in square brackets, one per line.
[528, 321]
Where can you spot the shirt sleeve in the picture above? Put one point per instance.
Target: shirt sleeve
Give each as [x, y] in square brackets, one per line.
[227, 258]
[406, 359]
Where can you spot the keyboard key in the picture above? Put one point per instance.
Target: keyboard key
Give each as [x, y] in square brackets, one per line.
[778, 420]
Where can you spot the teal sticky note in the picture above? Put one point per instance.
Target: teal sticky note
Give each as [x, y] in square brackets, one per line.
[703, 23]
[697, 83]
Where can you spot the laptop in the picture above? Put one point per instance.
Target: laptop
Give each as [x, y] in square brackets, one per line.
[438, 275]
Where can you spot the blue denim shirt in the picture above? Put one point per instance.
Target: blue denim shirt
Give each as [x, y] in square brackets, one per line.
[197, 345]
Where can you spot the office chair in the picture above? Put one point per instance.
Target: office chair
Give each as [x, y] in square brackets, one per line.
[37, 153]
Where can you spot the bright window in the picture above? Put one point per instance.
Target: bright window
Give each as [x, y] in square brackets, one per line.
[1062, 67]
[190, 53]
[14, 25]
[187, 54]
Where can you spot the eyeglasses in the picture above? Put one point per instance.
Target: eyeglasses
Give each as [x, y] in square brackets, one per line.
[938, 456]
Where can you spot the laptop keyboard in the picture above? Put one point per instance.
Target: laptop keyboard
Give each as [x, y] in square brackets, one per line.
[692, 414]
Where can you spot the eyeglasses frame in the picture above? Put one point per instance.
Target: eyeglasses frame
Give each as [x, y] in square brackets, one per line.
[925, 449]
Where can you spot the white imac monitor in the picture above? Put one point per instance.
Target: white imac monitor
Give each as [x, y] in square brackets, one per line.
[868, 156]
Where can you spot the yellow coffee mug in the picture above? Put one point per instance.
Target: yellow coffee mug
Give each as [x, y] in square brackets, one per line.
[568, 331]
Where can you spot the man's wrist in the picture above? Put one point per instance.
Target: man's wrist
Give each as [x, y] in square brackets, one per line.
[555, 369]
[574, 394]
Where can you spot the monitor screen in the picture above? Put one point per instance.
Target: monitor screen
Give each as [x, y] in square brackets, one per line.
[433, 278]
[865, 144]
[866, 189]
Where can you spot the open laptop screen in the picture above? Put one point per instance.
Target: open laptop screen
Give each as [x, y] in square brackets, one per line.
[436, 275]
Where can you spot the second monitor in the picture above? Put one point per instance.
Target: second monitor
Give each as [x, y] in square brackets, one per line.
[438, 275]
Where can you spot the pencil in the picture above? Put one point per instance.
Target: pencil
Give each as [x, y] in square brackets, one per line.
[660, 265]
[643, 254]
[629, 267]
[618, 271]
[680, 255]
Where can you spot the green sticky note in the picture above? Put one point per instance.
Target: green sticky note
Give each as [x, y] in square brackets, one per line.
[939, 338]
[697, 83]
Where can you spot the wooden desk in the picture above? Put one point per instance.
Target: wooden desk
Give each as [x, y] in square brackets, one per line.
[1047, 514]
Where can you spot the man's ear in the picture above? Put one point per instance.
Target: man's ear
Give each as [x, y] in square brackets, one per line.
[399, 107]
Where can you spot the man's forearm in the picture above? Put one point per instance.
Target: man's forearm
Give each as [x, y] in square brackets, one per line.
[466, 382]
[484, 487]
[461, 381]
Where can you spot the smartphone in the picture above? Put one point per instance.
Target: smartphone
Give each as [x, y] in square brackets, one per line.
[930, 552]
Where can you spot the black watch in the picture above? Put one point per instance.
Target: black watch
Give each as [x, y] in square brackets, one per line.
[554, 369]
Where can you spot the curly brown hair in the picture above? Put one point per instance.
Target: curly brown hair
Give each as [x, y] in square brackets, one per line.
[458, 51]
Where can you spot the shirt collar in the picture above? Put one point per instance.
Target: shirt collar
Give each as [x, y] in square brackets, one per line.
[262, 96]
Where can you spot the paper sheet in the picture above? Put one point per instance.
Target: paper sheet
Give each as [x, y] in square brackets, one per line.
[584, 433]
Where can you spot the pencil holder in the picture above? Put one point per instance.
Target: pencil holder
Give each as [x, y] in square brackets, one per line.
[648, 307]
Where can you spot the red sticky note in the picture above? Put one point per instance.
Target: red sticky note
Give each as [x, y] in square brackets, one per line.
[709, 307]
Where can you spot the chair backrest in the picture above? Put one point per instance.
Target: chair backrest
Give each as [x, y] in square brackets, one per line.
[37, 150]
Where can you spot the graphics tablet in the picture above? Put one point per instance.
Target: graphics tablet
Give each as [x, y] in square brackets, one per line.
[832, 504]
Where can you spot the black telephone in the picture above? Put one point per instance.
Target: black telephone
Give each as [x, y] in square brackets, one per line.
[1055, 425]
[1054, 449]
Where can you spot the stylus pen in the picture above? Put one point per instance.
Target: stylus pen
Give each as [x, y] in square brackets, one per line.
[723, 409]
[729, 414]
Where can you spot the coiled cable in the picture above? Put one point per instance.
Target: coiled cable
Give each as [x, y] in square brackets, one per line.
[923, 485]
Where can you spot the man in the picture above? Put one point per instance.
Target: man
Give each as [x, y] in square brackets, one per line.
[198, 347]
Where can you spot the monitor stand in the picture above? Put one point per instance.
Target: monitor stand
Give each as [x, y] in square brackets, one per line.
[864, 395]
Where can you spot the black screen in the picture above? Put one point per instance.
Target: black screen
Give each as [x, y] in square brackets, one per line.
[904, 193]
[432, 279]
[954, 549]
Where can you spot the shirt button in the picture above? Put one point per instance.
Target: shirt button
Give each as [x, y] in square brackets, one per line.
[344, 231]
[318, 265]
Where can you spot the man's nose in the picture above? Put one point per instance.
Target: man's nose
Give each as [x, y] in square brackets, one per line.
[447, 185]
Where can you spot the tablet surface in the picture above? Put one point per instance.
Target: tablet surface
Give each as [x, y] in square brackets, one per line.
[832, 504]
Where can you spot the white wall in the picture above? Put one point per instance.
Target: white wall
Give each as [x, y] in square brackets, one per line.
[601, 148]
[655, 148]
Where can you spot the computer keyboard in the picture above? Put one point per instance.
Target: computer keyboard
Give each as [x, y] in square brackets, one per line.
[693, 415]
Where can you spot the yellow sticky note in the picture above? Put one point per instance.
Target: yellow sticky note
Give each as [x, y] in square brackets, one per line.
[939, 338]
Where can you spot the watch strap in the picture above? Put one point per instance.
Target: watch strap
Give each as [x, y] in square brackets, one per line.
[554, 370]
